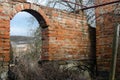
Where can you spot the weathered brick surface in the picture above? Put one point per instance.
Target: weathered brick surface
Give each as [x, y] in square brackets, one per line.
[65, 36]
[68, 37]
[4, 39]
[106, 22]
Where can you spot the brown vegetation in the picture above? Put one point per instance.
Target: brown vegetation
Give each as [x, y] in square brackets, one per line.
[26, 69]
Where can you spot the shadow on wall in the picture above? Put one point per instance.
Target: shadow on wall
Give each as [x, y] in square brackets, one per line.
[92, 38]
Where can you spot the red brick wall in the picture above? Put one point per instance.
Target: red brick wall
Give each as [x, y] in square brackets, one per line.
[66, 36]
[106, 23]
[4, 39]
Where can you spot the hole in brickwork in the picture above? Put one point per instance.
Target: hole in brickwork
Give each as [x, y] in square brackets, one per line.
[25, 36]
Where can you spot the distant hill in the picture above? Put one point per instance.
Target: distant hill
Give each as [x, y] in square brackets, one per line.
[24, 39]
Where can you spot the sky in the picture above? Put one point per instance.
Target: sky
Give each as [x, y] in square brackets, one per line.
[23, 24]
[42, 2]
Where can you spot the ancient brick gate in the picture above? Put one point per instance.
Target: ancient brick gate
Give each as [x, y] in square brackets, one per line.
[65, 36]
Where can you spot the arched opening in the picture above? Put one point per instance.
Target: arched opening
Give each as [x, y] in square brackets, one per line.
[39, 17]
[26, 35]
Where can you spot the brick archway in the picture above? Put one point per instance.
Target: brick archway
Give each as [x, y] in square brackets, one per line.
[7, 13]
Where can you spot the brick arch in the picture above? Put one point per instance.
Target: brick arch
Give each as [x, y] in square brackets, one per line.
[44, 27]
[8, 13]
[38, 17]
[43, 20]
[33, 9]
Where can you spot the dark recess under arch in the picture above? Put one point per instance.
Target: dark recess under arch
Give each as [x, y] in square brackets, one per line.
[39, 17]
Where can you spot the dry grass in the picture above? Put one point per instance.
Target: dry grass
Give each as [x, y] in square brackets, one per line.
[27, 69]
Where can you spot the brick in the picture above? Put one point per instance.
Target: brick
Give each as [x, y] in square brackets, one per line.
[55, 15]
[1, 9]
[18, 7]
